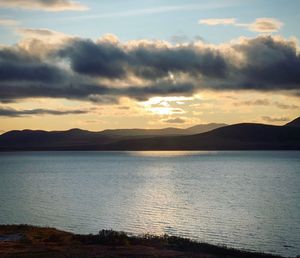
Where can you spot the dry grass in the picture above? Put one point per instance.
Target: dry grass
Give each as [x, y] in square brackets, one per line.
[49, 242]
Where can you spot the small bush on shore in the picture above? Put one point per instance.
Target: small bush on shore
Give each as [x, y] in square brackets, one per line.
[119, 238]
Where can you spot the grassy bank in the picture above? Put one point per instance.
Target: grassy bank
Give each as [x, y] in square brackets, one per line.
[30, 241]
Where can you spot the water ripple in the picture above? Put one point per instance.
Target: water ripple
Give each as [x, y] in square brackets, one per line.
[248, 200]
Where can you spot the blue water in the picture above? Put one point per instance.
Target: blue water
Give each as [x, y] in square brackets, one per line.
[248, 200]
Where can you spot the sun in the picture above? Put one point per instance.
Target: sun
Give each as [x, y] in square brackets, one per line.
[165, 105]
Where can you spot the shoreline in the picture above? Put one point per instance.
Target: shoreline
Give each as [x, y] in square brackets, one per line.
[33, 241]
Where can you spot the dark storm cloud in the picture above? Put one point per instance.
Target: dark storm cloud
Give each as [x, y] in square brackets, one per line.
[24, 76]
[10, 112]
[270, 65]
[160, 89]
[87, 57]
[18, 65]
[93, 93]
[12, 92]
[111, 60]
[267, 63]
[155, 62]
[86, 70]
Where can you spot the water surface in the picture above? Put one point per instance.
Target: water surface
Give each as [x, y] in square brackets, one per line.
[248, 200]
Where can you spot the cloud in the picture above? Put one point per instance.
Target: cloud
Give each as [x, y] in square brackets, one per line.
[275, 119]
[258, 102]
[46, 5]
[19, 66]
[157, 10]
[9, 22]
[261, 25]
[286, 106]
[148, 60]
[87, 57]
[265, 102]
[105, 70]
[10, 112]
[124, 107]
[214, 22]
[265, 25]
[177, 120]
[43, 35]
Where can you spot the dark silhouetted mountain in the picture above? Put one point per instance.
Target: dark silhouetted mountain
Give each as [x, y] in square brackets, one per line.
[294, 123]
[82, 139]
[203, 128]
[170, 131]
[37, 139]
[144, 132]
[234, 137]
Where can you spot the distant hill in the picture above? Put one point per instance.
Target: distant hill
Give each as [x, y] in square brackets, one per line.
[170, 131]
[294, 123]
[234, 137]
[40, 140]
[143, 132]
[203, 128]
[82, 139]
[246, 136]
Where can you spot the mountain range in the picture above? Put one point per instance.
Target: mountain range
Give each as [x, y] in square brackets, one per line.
[244, 136]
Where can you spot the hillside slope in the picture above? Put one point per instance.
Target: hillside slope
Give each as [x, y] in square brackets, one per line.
[246, 136]
[234, 137]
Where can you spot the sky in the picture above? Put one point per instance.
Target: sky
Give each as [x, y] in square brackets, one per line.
[147, 64]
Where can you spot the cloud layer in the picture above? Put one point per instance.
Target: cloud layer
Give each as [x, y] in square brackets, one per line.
[261, 25]
[266, 102]
[265, 25]
[10, 112]
[105, 70]
[8, 22]
[46, 5]
[214, 22]
[177, 120]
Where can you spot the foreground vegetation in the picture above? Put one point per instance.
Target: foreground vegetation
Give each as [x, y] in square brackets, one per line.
[29, 241]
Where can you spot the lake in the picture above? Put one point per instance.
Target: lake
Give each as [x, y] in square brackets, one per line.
[248, 199]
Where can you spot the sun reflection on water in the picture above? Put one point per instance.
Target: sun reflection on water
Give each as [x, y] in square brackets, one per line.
[170, 153]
